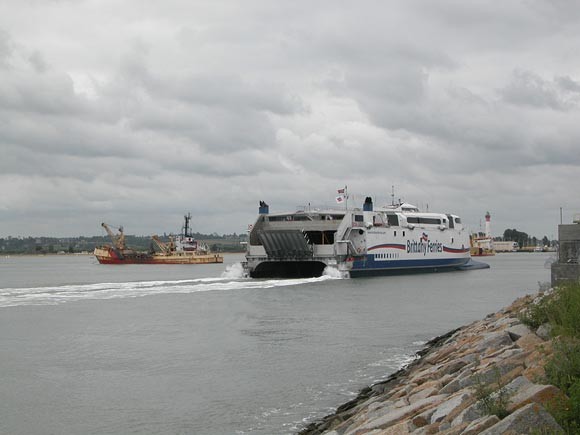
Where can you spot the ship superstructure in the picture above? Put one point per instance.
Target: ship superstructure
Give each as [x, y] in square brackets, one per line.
[396, 238]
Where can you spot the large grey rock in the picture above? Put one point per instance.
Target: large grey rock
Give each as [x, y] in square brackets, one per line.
[493, 341]
[452, 367]
[526, 420]
[544, 331]
[396, 415]
[469, 414]
[479, 425]
[421, 394]
[501, 353]
[517, 384]
[517, 331]
[457, 383]
[448, 406]
[533, 393]
[506, 321]
[491, 373]
[424, 418]
[378, 409]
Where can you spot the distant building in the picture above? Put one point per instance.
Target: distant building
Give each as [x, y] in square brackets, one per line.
[567, 268]
[509, 246]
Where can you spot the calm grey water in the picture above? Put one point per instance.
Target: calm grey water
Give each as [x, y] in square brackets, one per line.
[139, 349]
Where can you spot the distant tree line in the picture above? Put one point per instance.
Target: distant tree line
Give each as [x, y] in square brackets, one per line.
[74, 245]
[523, 239]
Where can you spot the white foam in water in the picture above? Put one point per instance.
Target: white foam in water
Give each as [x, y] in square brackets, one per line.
[68, 293]
[234, 271]
[333, 272]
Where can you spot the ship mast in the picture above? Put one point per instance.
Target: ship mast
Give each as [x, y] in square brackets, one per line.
[186, 228]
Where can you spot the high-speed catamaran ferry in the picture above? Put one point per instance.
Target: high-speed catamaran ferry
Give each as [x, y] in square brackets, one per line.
[393, 239]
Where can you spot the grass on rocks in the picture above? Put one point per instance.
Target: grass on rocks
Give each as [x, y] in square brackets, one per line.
[561, 310]
[492, 398]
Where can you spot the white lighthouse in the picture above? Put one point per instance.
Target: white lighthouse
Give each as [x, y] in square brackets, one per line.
[487, 225]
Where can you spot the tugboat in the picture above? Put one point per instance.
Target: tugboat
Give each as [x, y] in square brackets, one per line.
[181, 250]
[482, 245]
[393, 239]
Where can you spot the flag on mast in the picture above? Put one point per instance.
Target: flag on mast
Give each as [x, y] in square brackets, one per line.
[342, 195]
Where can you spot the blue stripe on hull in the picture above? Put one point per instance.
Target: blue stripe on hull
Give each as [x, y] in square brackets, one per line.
[371, 267]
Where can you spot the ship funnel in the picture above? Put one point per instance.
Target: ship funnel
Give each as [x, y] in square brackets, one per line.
[368, 205]
[264, 208]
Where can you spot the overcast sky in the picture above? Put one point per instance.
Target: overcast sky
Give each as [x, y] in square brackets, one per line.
[136, 112]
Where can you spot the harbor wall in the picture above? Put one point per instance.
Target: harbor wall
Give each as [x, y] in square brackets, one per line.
[567, 267]
[443, 390]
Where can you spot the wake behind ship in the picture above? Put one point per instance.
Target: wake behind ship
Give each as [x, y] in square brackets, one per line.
[183, 249]
[393, 239]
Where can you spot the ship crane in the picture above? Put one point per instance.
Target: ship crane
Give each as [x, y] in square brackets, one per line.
[118, 240]
[166, 248]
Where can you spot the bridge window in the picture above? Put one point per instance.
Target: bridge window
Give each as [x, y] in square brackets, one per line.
[279, 218]
[423, 220]
[320, 237]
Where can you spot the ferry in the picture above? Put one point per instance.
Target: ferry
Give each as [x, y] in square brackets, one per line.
[392, 239]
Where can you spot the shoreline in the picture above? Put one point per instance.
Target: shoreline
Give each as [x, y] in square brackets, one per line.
[439, 392]
[76, 254]
[380, 387]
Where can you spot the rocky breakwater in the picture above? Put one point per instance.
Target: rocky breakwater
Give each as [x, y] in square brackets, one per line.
[482, 378]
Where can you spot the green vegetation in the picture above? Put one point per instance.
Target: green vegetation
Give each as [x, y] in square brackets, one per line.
[561, 309]
[537, 313]
[492, 398]
[523, 239]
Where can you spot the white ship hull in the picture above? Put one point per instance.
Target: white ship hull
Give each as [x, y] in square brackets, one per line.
[389, 240]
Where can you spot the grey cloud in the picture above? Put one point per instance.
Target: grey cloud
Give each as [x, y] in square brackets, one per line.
[30, 92]
[5, 49]
[232, 92]
[398, 86]
[529, 89]
[38, 62]
[213, 89]
[214, 129]
[71, 137]
[568, 84]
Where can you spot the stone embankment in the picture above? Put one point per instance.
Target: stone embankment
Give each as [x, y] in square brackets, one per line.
[458, 385]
